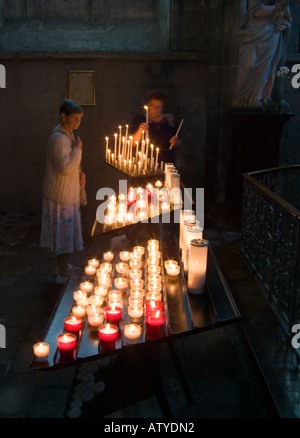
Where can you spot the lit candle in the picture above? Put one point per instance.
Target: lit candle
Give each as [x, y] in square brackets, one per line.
[94, 263]
[101, 290]
[135, 273]
[197, 266]
[156, 296]
[170, 264]
[140, 250]
[137, 293]
[135, 300]
[78, 311]
[113, 313]
[153, 261]
[132, 331]
[158, 183]
[41, 349]
[122, 268]
[155, 278]
[73, 324]
[86, 286]
[104, 280]
[78, 294]
[184, 215]
[95, 320]
[124, 255]
[190, 233]
[135, 311]
[135, 264]
[154, 304]
[92, 309]
[173, 270]
[66, 341]
[108, 332]
[96, 300]
[151, 156]
[120, 136]
[106, 268]
[115, 294]
[137, 283]
[154, 269]
[108, 256]
[121, 283]
[155, 318]
[115, 302]
[83, 302]
[147, 114]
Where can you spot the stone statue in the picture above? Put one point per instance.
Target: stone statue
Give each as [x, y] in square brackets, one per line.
[263, 36]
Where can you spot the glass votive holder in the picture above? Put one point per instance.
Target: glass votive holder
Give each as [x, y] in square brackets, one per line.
[156, 296]
[105, 267]
[136, 264]
[135, 301]
[78, 311]
[108, 256]
[139, 293]
[153, 261]
[136, 283]
[41, 349]
[135, 312]
[173, 271]
[124, 255]
[83, 302]
[104, 280]
[101, 291]
[135, 256]
[86, 286]
[121, 283]
[79, 294]
[132, 332]
[154, 269]
[115, 294]
[95, 320]
[92, 309]
[115, 302]
[135, 273]
[139, 250]
[90, 270]
[152, 243]
[154, 287]
[154, 278]
[96, 300]
[94, 263]
[154, 253]
[122, 268]
[170, 264]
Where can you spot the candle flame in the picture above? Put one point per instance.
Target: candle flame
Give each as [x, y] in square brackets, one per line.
[152, 303]
[157, 314]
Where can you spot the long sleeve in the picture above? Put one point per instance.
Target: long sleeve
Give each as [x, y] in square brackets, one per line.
[65, 159]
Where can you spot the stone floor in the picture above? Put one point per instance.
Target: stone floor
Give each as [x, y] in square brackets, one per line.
[225, 378]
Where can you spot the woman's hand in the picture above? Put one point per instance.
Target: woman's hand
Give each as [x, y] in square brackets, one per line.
[143, 127]
[82, 179]
[78, 142]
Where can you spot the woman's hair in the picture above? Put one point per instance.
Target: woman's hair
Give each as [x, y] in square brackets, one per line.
[157, 95]
[69, 106]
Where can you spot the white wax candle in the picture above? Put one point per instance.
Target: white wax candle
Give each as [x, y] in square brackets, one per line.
[96, 300]
[94, 263]
[101, 291]
[121, 283]
[115, 150]
[78, 294]
[197, 266]
[132, 331]
[86, 286]
[78, 311]
[41, 349]
[90, 270]
[106, 149]
[120, 137]
[124, 255]
[96, 319]
[135, 311]
[92, 309]
[108, 256]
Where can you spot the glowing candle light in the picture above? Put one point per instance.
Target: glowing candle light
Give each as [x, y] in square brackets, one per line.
[106, 150]
[115, 150]
[66, 341]
[108, 332]
[41, 349]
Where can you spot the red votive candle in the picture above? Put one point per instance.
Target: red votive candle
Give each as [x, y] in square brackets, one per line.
[113, 313]
[155, 317]
[108, 332]
[73, 324]
[66, 341]
[154, 304]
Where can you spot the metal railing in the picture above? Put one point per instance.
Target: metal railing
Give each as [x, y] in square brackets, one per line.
[270, 235]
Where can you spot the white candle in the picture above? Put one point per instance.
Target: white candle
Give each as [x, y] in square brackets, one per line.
[136, 283]
[121, 283]
[115, 150]
[154, 269]
[86, 286]
[115, 294]
[41, 349]
[105, 268]
[122, 268]
[79, 294]
[124, 255]
[90, 270]
[151, 159]
[94, 263]
[108, 256]
[197, 266]
[135, 311]
[135, 273]
[190, 233]
[78, 311]
[96, 300]
[152, 295]
[135, 300]
[106, 150]
[132, 331]
[95, 320]
[101, 290]
[92, 309]
[83, 302]
[173, 271]
[120, 137]
[156, 160]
